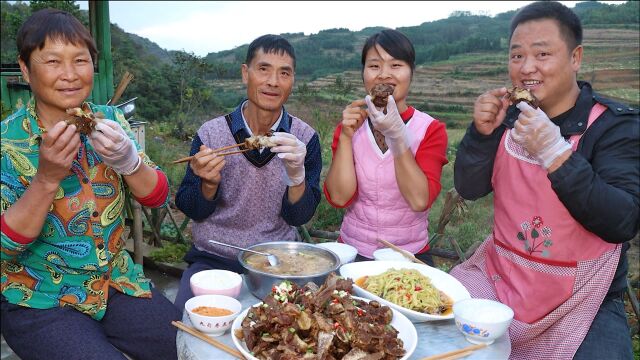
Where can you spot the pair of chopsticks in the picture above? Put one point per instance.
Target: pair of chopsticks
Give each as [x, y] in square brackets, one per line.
[405, 253]
[456, 354]
[180, 325]
[216, 151]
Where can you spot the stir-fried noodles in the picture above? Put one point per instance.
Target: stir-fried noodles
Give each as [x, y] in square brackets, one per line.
[409, 289]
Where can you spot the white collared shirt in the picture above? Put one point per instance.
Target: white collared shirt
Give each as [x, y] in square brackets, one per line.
[246, 125]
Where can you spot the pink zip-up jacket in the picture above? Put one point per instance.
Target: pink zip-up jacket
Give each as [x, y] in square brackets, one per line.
[380, 211]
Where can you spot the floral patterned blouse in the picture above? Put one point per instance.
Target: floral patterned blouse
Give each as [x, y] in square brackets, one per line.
[80, 252]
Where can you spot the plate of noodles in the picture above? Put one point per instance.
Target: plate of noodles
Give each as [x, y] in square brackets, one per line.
[420, 292]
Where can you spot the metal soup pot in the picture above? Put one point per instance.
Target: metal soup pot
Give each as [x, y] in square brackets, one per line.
[261, 282]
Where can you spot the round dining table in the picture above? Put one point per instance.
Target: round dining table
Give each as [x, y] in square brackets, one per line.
[434, 337]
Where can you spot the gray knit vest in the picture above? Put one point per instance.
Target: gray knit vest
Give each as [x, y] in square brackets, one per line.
[250, 197]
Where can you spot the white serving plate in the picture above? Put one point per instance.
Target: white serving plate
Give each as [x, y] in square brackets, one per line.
[406, 332]
[440, 279]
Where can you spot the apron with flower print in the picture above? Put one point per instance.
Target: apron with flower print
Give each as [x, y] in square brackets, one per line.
[539, 260]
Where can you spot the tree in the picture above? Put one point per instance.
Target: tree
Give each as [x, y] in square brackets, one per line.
[66, 5]
[12, 16]
[191, 93]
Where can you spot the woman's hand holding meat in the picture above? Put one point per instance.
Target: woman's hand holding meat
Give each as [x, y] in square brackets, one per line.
[58, 149]
[390, 125]
[353, 117]
[115, 148]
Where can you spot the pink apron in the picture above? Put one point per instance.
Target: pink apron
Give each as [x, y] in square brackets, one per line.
[539, 260]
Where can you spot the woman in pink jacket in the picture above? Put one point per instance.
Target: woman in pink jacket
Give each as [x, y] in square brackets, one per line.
[387, 161]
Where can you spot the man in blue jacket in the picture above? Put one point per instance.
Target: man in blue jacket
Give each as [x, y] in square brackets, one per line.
[566, 180]
[259, 195]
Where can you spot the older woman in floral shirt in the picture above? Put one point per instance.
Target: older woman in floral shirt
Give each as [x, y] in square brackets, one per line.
[69, 289]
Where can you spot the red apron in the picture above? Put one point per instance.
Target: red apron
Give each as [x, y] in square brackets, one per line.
[539, 260]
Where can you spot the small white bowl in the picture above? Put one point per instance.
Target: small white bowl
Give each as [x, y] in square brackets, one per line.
[212, 325]
[216, 282]
[387, 254]
[482, 321]
[345, 252]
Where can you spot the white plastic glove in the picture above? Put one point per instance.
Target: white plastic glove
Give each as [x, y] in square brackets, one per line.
[292, 152]
[539, 135]
[115, 148]
[390, 125]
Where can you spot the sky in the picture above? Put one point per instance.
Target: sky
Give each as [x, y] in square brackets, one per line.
[201, 27]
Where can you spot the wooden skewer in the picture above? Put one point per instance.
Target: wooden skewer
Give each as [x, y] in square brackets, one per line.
[188, 158]
[405, 253]
[181, 160]
[228, 147]
[234, 152]
[180, 325]
[456, 354]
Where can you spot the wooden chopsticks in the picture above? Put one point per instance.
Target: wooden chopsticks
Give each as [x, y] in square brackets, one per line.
[405, 253]
[180, 325]
[456, 354]
[188, 158]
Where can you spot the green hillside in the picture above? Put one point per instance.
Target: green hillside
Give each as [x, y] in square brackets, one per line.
[451, 53]
[337, 50]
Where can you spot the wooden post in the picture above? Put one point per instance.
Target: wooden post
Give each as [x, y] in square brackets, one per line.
[156, 240]
[137, 232]
[180, 237]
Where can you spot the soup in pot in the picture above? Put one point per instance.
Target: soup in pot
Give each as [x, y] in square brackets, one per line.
[291, 262]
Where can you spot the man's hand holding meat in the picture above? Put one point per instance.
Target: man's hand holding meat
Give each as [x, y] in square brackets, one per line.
[292, 151]
[207, 165]
[538, 135]
[489, 110]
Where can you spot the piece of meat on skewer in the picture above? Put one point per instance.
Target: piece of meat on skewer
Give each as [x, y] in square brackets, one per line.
[83, 118]
[259, 141]
[517, 94]
[250, 143]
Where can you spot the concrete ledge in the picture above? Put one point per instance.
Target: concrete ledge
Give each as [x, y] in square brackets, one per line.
[173, 269]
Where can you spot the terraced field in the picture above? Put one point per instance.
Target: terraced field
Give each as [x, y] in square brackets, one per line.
[610, 63]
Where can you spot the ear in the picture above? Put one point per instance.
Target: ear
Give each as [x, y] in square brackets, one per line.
[245, 74]
[576, 58]
[24, 69]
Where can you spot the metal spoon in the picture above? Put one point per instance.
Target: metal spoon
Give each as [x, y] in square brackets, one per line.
[273, 260]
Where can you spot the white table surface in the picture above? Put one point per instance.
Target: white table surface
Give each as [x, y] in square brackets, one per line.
[434, 337]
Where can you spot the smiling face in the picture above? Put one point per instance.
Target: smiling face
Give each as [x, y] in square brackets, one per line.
[540, 60]
[61, 77]
[382, 68]
[269, 79]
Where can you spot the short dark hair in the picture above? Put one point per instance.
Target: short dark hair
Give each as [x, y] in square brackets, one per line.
[52, 24]
[395, 43]
[568, 21]
[274, 44]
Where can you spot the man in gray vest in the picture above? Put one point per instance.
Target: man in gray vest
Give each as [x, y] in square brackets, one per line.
[256, 196]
